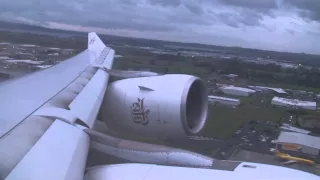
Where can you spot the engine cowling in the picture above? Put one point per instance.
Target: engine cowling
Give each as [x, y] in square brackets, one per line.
[167, 106]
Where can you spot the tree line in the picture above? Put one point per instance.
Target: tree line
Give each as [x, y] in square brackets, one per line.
[266, 73]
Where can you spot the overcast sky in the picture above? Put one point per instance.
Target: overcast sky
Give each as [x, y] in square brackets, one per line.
[282, 25]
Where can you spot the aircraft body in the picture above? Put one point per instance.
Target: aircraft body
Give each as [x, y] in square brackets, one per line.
[55, 121]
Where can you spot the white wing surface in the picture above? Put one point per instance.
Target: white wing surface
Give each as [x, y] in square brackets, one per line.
[33, 107]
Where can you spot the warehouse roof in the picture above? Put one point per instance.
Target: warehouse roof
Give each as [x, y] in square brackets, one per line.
[239, 89]
[223, 98]
[298, 138]
[294, 102]
[277, 90]
[288, 127]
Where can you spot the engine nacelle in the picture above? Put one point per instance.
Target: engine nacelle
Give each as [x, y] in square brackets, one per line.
[157, 107]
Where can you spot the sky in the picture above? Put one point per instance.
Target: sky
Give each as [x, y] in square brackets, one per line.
[281, 25]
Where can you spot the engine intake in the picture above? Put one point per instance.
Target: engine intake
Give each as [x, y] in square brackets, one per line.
[156, 107]
[194, 106]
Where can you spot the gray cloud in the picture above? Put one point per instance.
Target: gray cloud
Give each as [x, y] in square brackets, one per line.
[251, 18]
[194, 8]
[106, 13]
[311, 8]
[291, 31]
[244, 17]
[112, 14]
[252, 4]
[166, 2]
[230, 19]
[313, 33]
[125, 13]
[307, 8]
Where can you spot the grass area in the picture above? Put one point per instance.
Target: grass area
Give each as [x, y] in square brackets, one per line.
[156, 65]
[222, 122]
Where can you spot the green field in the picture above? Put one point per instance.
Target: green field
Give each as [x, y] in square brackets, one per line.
[222, 122]
[159, 64]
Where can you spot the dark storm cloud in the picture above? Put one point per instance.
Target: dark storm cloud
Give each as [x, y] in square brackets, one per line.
[245, 12]
[306, 8]
[229, 19]
[193, 20]
[256, 22]
[258, 6]
[140, 26]
[194, 8]
[106, 14]
[251, 18]
[311, 8]
[127, 14]
[191, 5]
[124, 13]
[252, 4]
[244, 17]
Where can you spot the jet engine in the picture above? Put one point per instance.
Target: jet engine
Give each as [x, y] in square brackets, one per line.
[165, 106]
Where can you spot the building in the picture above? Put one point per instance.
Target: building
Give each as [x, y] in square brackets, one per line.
[223, 100]
[231, 76]
[294, 103]
[298, 143]
[238, 91]
[275, 90]
[222, 85]
[289, 128]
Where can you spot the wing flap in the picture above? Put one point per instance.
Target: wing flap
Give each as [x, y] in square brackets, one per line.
[57, 113]
[14, 146]
[87, 104]
[21, 97]
[61, 153]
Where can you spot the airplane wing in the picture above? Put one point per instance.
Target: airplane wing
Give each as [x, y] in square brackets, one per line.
[48, 119]
[36, 111]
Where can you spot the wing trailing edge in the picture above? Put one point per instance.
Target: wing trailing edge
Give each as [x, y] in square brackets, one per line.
[61, 153]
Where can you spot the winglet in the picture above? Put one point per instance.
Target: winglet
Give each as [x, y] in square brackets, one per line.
[95, 46]
[94, 41]
[100, 54]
